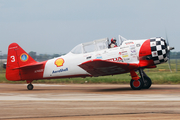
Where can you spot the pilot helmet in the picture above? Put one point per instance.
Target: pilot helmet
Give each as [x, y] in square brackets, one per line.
[113, 39]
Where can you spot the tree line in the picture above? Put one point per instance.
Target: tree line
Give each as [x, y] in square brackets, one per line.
[42, 57]
[175, 55]
[37, 57]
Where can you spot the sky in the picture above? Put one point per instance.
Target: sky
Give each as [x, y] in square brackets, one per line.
[57, 26]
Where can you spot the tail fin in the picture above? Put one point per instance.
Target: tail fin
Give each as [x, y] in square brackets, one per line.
[16, 58]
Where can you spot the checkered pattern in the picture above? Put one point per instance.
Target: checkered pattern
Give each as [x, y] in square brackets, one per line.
[158, 50]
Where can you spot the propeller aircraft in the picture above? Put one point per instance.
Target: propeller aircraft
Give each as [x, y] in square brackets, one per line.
[92, 59]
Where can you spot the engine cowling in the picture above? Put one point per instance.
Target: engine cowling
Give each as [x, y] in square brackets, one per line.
[158, 50]
[152, 52]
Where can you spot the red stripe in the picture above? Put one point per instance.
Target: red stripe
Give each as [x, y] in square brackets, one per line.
[145, 50]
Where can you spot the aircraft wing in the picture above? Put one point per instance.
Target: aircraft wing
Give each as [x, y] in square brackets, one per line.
[99, 67]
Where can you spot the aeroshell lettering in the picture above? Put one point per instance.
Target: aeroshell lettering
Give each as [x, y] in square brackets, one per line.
[59, 71]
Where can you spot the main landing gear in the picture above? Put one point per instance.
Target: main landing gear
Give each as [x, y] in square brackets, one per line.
[138, 83]
[29, 86]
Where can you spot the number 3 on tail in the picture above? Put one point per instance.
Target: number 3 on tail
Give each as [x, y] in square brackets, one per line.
[12, 58]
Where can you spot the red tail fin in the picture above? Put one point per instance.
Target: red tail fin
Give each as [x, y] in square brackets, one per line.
[17, 57]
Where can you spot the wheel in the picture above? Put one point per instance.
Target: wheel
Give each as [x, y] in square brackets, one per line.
[137, 84]
[147, 82]
[30, 87]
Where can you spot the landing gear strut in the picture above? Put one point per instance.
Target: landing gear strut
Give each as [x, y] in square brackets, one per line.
[147, 81]
[30, 86]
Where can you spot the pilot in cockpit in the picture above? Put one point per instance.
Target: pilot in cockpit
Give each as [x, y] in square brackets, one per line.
[113, 43]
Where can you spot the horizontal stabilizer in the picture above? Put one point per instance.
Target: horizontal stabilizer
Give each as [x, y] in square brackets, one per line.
[28, 66]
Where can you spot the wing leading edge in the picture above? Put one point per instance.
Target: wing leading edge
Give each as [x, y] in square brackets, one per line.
[99, 67]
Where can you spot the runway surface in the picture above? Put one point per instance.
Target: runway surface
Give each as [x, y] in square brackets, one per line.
[89, 102]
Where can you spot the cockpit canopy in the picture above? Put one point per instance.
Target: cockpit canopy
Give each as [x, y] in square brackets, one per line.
[95, 45]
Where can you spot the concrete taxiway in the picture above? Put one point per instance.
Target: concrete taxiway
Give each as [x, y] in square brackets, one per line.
[88, 102]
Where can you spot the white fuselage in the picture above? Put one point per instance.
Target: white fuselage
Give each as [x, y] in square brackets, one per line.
[128, 52]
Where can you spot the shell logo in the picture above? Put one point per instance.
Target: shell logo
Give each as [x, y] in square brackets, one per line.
[59, 62]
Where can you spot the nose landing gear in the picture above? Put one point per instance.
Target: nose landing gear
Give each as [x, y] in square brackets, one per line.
[140, 83]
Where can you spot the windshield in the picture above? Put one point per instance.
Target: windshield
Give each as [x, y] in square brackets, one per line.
[121, 39]
[77, 49]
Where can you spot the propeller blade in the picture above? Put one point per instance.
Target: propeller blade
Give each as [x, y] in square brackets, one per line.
[168, 52]
[169, 63]
[167, 40]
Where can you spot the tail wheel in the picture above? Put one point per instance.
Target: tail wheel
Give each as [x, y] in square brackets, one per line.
[136, 84]
[147, 82]
[30, 87]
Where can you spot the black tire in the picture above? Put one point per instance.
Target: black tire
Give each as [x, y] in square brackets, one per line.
[137, 84]
[147, 82]
[30, 87]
